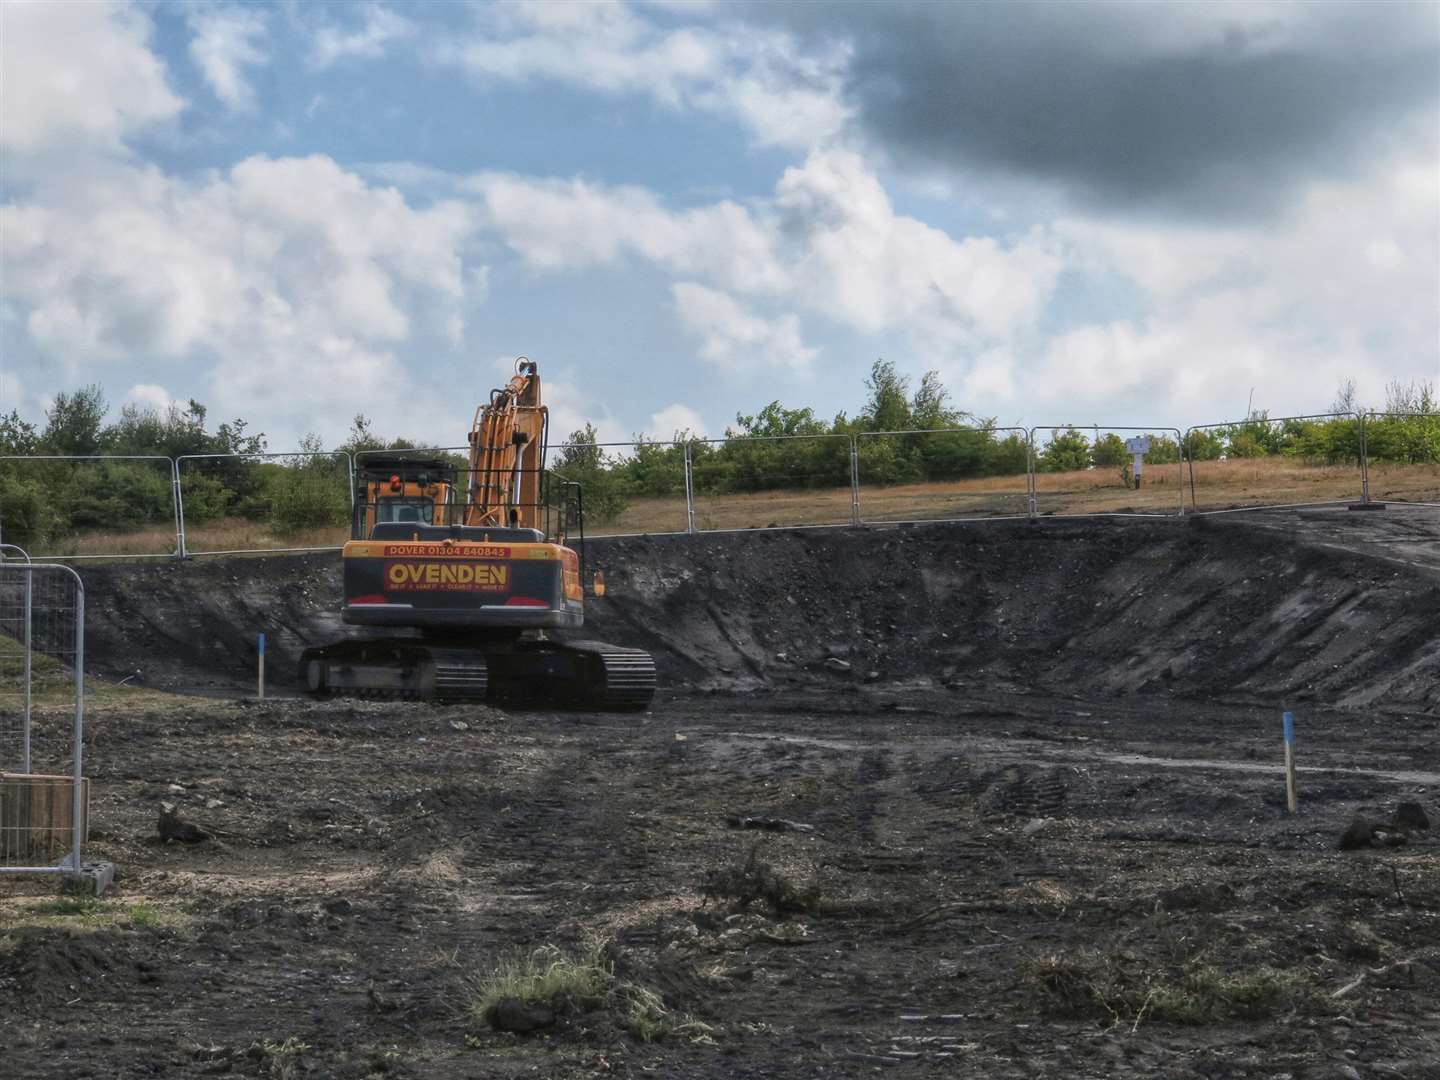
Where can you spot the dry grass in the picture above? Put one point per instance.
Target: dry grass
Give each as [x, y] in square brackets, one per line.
[743, 884]
[1123, 988]
[230, 534]
[83, 911]
[1217, 485]
[573, 982]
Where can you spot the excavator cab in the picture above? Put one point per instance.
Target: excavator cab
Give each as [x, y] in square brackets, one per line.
[403, 490]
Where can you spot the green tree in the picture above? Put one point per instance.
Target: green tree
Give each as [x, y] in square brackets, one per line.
[362, 438]
[603, 486]
[888, 406]
[308, 492]
[17, 436]
[1067, 451]
[74, 421]
[1204, 444]
[1109, 452]
[1163, 450]
[930, 408]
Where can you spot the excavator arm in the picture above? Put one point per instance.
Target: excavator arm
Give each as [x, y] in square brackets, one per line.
[507, 455]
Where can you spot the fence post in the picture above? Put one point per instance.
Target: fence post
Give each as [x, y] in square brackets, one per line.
[178, 499]
[77, 807]
[689, 491]
[854, 481]
[1186, 451]
[350, 473]
[1364, 463]
[29, 696]
[1030, 474]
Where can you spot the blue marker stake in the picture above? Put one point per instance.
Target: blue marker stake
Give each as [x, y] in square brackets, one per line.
[1290, 800]
[261, 691]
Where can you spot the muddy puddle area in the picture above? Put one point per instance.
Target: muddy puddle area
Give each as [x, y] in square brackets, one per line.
[797, 883]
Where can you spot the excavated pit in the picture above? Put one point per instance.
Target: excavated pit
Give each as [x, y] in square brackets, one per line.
[998, 800]
[1327, 607]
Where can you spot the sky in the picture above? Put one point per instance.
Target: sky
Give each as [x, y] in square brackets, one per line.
[1092, 213]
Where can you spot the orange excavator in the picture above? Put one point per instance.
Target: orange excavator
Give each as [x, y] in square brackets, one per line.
[471, 587]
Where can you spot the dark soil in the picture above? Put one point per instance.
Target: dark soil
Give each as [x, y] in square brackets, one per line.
[1048, 833]
[1331, 608]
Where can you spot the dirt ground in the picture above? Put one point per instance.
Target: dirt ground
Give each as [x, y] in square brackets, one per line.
[1036, 770]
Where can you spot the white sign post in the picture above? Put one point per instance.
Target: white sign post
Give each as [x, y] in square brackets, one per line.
[1138, 447]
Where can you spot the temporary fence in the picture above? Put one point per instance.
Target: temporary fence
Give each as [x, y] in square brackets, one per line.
[947, 474]
[1071, 475]
[115, 505]
[16, 687]
[138, 506]
[1311, 460]
[43, 798]
[629, 487]
[779, 481]
[1400, 457]
[232, 504]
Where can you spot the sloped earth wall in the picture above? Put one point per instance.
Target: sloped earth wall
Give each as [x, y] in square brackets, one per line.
[1341, 610]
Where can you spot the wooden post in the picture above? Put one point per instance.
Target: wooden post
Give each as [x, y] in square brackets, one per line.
[37, 817]
[1290, 799]
[260, 689]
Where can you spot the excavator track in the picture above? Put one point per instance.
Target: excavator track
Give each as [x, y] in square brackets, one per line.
[589, 674]
[623, 679]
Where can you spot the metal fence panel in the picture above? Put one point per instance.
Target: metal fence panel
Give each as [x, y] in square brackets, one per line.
[233, 504]
[626, 488]
[953, 474]
[1401, 454]
[42, 702]
[1316, 459]
[1090, 470]
[91, 506]
[772, 481]
[629, 488]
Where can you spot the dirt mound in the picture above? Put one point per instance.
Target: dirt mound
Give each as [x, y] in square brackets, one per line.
[1204, 608]
[45, 968]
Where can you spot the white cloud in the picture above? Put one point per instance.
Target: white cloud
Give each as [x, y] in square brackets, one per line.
[674, 420]
[783, 95]
[735, 338]
[559, 225]
[225, 42]
[77, 76]
[379, 28]
[150, 396]
[1344, 286]
[294, 281]
[12, 392]
[865, 265]
[829, 242]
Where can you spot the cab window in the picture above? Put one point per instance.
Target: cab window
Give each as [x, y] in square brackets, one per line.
[410, 510]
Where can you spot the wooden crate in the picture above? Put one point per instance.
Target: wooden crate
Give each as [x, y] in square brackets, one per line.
[36, 817]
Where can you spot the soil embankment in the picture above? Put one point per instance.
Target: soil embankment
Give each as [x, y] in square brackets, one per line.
[1267, 607]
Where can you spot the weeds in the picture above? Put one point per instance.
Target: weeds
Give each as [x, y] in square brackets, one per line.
[95, 913]
[1118, 987]
[283, 1058]
[744, 883]
[559, 982]
[83, 905]
[549, 976]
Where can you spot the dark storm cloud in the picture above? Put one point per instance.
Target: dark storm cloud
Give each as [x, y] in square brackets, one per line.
[1205, 110]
